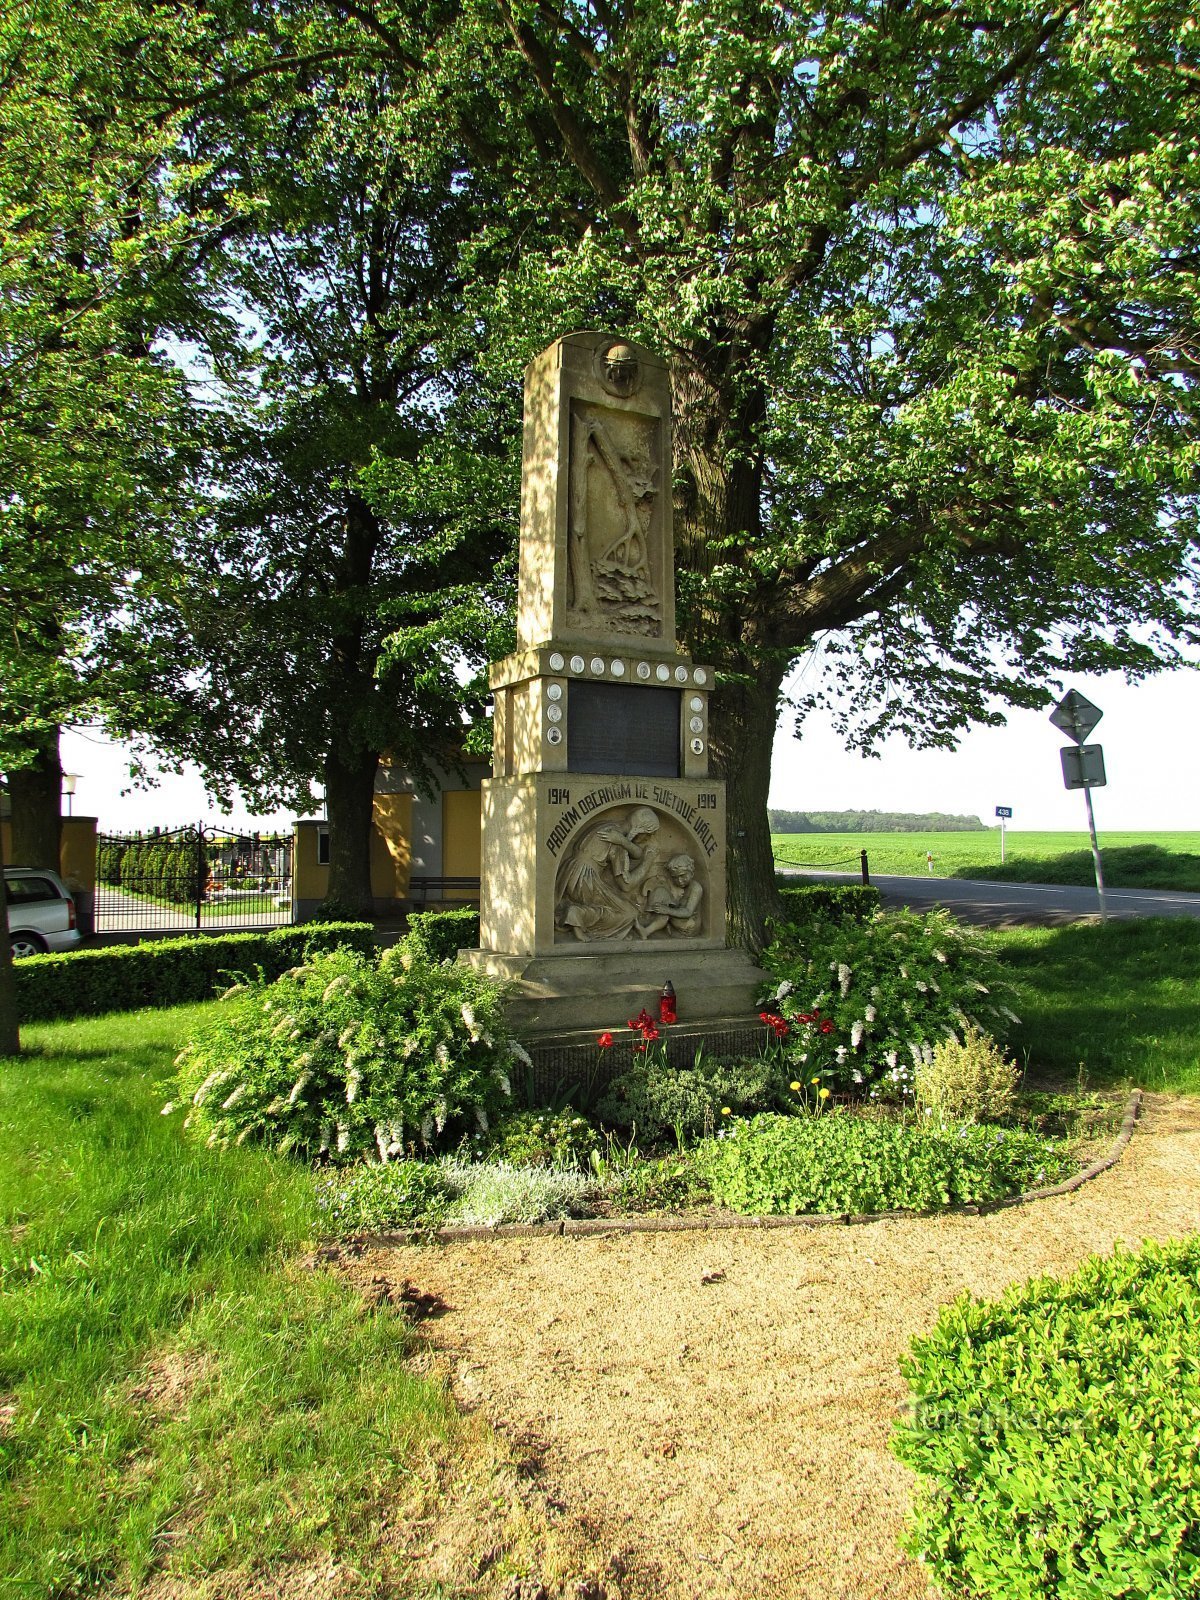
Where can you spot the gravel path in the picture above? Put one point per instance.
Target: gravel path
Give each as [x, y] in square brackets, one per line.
[711, 1412]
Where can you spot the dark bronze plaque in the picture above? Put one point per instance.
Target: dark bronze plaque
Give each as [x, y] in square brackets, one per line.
[621, 727]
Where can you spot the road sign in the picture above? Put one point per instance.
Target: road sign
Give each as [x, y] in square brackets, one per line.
[1083, 766]
[1004, 811]
[1076, 716]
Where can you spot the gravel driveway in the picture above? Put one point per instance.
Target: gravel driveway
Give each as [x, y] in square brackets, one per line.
[708, 1414]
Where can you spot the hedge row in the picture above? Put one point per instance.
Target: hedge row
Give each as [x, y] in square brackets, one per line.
[828, 902]
[1054, 1430]
[169, 972]
[440, 935]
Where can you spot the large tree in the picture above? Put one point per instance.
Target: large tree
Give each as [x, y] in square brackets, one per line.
[92, 229]
[926, 279]
[342, 515]
[101, 218]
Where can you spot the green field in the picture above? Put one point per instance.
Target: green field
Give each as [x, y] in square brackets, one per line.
[1149, 860]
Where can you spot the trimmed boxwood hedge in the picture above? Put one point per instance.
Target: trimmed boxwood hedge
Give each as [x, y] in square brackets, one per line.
[440, 935]
[168, 972]
[1055, 1433]
[828, 902]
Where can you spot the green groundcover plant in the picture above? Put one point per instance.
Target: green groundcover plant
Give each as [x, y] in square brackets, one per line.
[660, 1103]
[1055, 1433]
[450, 1191]
[866, 1002]
[842, 1162]
[345, 1058]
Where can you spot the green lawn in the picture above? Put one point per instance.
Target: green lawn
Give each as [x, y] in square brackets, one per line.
[1118, 1005]
[173, 1382]
[1149, 860]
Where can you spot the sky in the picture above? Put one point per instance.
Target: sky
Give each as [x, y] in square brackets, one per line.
[1148, 731]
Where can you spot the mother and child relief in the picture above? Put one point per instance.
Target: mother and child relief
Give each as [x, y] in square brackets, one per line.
[616, 882]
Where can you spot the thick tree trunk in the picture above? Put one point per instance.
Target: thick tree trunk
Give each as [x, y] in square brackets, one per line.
[349, 796]
[742, 731]
[719, 488]
[36, 795]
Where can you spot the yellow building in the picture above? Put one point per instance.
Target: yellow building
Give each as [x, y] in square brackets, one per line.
[424, 849]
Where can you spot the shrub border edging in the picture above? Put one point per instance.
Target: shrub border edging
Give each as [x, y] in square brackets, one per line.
[577, 1227]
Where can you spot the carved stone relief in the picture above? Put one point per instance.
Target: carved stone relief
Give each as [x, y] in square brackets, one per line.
[618, 369]
[615, 521]
[633, 874]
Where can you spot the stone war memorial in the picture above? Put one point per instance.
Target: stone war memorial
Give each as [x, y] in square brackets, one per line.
[603, 873]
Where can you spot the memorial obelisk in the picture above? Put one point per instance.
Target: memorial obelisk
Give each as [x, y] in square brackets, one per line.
[603, 833]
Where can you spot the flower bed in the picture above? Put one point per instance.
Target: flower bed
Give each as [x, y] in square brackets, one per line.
[400, 1072]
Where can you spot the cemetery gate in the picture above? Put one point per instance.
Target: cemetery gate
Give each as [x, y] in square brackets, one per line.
[204, 878]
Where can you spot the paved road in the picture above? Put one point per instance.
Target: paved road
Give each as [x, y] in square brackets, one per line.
[1000, 905]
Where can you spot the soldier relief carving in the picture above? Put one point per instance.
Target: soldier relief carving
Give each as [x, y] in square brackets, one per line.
[615, 516]
[630, 875]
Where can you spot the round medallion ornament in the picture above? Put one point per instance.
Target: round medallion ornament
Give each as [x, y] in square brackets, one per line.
[681, 674]
[617, 668]
[643, 669]
[696, 703]
[556, 662]
[663, 673]
[597, 665]
[700, 675]
[553, 735]
[554, 691]
[577, 663]
[697, 724]
[553, 713]
[619, 369]
[697, 747]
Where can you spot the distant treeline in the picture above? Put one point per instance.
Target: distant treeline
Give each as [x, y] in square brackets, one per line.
[872, 822]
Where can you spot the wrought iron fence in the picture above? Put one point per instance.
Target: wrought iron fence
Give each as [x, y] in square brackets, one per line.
[184, 879]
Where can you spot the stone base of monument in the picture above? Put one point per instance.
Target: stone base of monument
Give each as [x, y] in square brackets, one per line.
[580, 993]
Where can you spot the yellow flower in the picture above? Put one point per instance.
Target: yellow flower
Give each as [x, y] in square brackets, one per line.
[795, 1084]
[816, 1080]
[725, 1111]
[824, 1094]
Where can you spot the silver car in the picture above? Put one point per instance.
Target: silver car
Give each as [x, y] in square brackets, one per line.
[41, 912]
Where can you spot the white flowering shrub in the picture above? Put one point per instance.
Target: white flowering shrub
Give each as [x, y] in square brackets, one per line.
[866, 1003]
[346, 1058]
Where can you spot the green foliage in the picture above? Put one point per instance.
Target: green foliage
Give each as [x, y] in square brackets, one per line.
[1054, 1430]
[657, 1102]
[440, 935]
[163, 867]
[154, 1308]
[395, 1194]
[346, 1058]
[486, 1194]
[967, 1080]
[845, 1162]
[451, 1191]
[169, 972]
[542, 1138]
[827, 902]
[868, 1001]
[871, 822]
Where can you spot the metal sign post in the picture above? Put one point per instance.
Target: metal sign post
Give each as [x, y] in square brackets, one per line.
[1003, 812]
[1083, 766]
